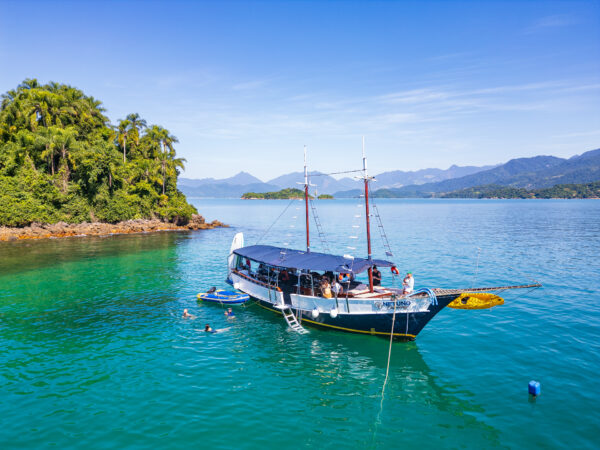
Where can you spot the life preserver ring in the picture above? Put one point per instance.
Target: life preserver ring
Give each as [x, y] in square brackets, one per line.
[395, 270]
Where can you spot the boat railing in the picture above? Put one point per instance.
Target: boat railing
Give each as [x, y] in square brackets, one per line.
[255, 281]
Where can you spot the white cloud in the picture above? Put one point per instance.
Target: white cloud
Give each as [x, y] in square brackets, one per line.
[249, 85]
[555, 21]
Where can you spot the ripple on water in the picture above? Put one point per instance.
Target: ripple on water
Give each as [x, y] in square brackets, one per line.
[94, 352]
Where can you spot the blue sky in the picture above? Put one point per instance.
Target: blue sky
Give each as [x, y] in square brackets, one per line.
[244, 85]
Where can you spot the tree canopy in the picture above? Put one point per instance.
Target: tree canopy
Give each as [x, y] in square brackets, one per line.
[287, 193]
[62, 160]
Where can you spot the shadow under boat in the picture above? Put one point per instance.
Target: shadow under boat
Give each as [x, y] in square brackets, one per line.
[332, 360]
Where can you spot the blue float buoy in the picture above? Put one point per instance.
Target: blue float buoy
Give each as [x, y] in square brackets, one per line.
[534, 388]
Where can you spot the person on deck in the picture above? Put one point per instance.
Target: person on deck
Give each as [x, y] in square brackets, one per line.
[376, 277]
[408, 284]
[284, 276]
[326, 288]
[337, 288]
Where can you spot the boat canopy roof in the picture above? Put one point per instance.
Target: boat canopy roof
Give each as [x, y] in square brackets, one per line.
[299, 259]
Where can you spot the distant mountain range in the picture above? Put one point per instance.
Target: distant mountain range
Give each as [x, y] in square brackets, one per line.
[227, 187]
[324, 184]
[531, 173]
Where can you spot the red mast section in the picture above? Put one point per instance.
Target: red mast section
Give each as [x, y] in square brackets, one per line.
[366, 178]
[306, 202]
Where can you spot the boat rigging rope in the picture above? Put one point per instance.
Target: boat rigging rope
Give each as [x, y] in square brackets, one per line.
[275, 221]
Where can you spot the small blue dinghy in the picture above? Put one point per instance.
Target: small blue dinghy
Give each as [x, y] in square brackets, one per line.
[223, 296]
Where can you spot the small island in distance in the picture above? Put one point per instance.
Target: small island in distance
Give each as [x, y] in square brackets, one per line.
[283, 194]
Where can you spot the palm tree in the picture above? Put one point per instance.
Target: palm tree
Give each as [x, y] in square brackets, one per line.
[122, 131]
[136, 125]
[108, 162]
[161, 138]
[65, 141]
[168, 154]
[38, 104]
[45, 139]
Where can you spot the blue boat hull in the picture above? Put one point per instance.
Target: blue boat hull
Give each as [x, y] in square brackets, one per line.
[406, 326]
[224, 297]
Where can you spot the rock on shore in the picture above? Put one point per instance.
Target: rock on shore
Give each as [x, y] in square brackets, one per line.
[62, 229]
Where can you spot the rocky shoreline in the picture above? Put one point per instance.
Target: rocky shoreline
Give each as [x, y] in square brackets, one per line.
[62, 229]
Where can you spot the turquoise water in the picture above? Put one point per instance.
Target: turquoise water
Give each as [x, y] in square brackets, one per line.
[94, 352]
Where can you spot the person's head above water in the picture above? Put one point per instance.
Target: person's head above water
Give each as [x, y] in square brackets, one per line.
[207, 328]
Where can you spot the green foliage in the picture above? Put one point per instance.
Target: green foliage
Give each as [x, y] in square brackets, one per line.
[588, 190]
[282, 194]
[325, 197]
[61, 160]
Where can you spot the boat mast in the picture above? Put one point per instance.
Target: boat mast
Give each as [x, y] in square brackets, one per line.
[306, 201]
[366, 178]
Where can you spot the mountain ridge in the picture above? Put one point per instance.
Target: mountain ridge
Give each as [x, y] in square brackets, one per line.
[536, 172]
[324, 184]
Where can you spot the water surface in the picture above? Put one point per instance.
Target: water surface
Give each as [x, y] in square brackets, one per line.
[94, 352]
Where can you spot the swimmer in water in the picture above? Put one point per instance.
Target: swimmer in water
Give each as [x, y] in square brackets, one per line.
[209, 329]
[187, 315]
[230, 314]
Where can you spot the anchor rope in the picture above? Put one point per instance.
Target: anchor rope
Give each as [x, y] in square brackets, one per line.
[387, 369]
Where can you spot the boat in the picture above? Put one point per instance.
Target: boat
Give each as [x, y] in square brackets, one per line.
[289, 282]
[224, 297]
[476, 300]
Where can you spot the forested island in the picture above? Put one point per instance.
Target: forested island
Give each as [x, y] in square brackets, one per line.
[587, 190]
[565, 191]
[61, 161]
[284, 194]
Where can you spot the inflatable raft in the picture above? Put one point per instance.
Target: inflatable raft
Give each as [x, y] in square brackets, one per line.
[476, 300]
[223, 296]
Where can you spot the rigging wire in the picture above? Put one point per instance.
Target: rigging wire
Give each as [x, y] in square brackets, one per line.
[476, 268]
[275, 221]
[334, 173]
[319, 226]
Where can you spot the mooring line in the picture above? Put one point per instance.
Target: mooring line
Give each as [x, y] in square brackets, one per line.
[387, 371]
